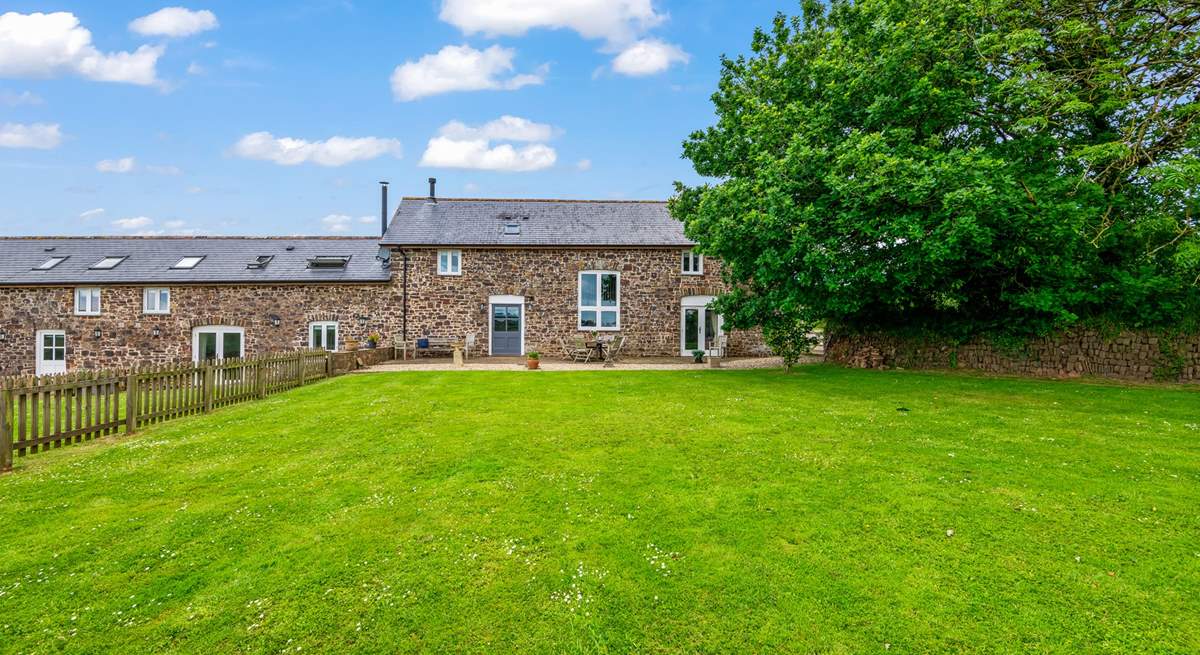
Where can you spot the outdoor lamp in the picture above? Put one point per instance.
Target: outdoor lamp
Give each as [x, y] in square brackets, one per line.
[275, 320]
[3, 335]
[96, 333]
[155, 332]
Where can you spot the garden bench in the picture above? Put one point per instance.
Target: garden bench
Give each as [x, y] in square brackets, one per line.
[439, 345]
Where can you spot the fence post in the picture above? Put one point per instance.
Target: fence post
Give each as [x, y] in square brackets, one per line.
[328, 364]
[208, 386]
[6, 440]
[300, 377]
[260, 377]
[131, 401]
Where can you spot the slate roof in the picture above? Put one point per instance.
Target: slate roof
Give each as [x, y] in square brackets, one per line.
[481, 222]
[150, 260]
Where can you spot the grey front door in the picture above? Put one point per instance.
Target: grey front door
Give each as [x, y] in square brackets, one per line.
[506, 329]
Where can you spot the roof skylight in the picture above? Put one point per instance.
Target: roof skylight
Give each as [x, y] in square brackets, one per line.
[512, 228]
[108, 263]
[49, 263]
[189, 262]
[328, 261]
[260, 262]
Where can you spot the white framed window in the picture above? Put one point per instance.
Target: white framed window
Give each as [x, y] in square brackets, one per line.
[108, 263]
[156, 300]
[323, 335]
[449, 262]
[693, 263]
[51, 352]
[218, 342]
[87, 301]
[599, 300]
[49, 263]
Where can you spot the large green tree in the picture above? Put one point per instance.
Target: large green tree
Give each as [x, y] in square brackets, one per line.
[961, 167]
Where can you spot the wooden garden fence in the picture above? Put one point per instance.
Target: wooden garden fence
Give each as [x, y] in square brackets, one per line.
[39, 413]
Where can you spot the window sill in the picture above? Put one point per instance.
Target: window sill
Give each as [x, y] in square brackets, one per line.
[700, 274]
[156, 313]
[87, 313]
[441, 274]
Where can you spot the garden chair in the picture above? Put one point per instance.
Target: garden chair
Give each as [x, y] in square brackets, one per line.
[720, 346]
[613, 352]
[580, 353]
[469, 343]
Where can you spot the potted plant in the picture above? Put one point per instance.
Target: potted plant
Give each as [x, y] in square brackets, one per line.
[698, 356]
[351, 344]
[373, 340]
[532, 360]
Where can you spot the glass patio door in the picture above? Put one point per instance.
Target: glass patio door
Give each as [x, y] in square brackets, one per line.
[699, 326]
[217, 342]
[51, 352]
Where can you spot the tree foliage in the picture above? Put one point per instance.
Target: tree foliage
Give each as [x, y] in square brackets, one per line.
[957, 166]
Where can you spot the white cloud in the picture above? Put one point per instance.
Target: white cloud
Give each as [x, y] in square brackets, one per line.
[616, 21]
[458, 145]
[460, 68]
[337, 151]
[91, 213]
[17, 99]
[175, 21]
[195, 69]
[122, 165]
[40, 136]
[46, 45]
[337, 222]
[366, 220]
[133, 223]
[505, 128]
[648, 57]
[584, 165]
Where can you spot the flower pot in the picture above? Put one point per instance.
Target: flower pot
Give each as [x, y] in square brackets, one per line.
[532, 364]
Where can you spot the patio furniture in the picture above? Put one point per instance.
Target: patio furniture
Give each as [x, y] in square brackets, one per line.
[580, 351]
[720, 346]
[613, 351]
[431, 345]
[470, 344]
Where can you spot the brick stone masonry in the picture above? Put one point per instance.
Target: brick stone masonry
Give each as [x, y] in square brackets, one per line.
[1139, 356]
[652, 287]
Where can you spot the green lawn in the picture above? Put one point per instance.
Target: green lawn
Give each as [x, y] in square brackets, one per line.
[711, 511]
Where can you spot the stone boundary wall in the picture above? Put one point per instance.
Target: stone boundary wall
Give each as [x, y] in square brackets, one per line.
[1127, 355]
[349, 360]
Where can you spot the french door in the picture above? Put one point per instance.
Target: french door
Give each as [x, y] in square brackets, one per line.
[51, 352]
[217, 342]
[699, 326]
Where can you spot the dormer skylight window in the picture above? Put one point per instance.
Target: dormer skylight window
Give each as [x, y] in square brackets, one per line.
[49, 263]
[512, 228]
[260, 262]
[188, 263]
[328, 262]
[108, 263]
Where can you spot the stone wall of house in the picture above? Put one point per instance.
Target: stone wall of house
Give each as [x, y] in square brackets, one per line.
[127, 334]
[1128, 355]
[652, 286]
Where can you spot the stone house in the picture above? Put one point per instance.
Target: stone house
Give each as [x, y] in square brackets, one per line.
[518, 275]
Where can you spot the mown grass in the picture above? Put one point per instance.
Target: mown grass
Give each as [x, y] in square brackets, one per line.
[826, 510]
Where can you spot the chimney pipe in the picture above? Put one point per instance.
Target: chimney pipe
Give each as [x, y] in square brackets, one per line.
[433, 189]
[383, 209]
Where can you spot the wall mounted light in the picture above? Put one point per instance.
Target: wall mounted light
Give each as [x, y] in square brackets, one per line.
[96, 333]
[275, 320]
[3, 336]
[362, 320]
[156, 332]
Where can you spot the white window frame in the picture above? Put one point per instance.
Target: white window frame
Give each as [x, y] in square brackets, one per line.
[186, 262]
[505, 300]
[598, 307]
[695, 259]
[221, 331]
[325, 326]
[51, 262]
[452, 257]
[91, 308]
[109, 263]
[155, 294]
[44, 366]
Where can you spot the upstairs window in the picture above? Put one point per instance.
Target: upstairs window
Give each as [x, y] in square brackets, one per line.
[49, 263]
[328, 262]
[156, 300]
[693, 263]
[108, 263]
[599, 300]
[260, 262]
[449, 262]
[512, 228]
[87, 301]
[188, 263]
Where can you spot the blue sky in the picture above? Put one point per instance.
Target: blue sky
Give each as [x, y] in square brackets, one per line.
[280, 118]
